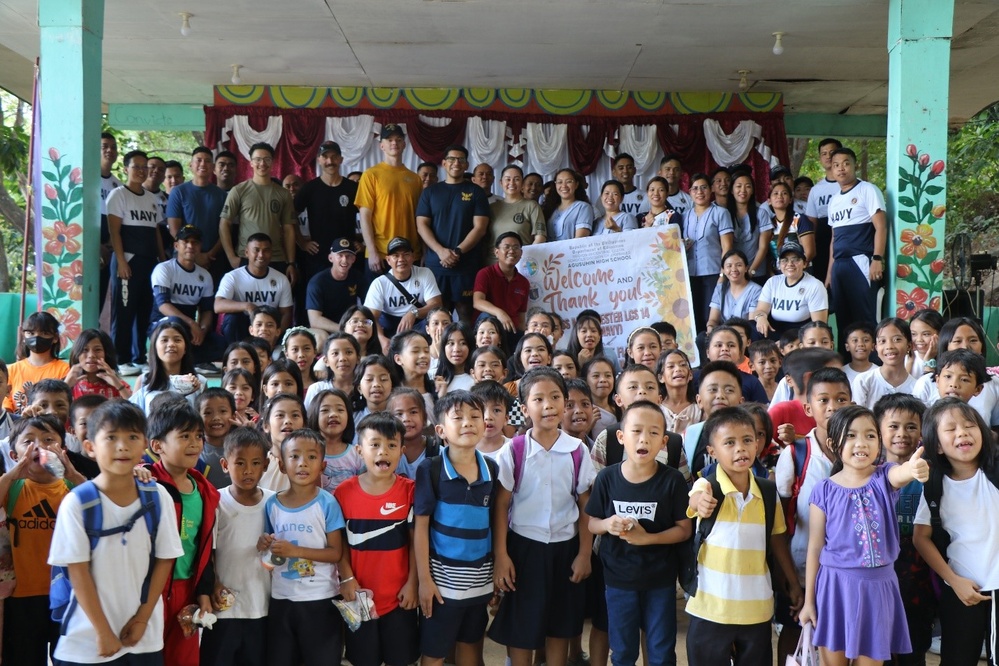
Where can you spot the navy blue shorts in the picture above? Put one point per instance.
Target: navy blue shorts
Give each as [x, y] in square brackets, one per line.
[456, 288]
[450, 624]
[392, 639]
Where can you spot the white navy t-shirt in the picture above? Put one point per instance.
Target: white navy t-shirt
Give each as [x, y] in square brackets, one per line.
[190, 291]
[679, 202]
[139, 214]
[850, 215]
[241, 285]
[794, 303]
[386, 298]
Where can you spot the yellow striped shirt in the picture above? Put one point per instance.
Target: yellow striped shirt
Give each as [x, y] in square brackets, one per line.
[733, 580]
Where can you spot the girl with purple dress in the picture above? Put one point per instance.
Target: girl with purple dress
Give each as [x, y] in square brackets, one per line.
[851, 590]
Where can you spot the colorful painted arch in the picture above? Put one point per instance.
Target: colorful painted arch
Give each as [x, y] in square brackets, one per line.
[554, 102]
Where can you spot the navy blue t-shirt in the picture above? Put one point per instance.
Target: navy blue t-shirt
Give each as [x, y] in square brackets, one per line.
[334, 297]
[198, 206]
[452, 209]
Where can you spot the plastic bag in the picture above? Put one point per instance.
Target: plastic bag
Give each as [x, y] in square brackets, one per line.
[190, 618]
[805, 654]
[361, 609]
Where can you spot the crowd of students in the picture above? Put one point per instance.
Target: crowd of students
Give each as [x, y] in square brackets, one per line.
[447, 486]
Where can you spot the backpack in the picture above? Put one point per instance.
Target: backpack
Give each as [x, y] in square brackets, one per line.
[518, 447]
[801, 455]
[690, 549]
[933, 494]
[437, 469]
[62, 601]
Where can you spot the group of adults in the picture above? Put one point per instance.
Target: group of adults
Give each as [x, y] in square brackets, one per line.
[211, 247]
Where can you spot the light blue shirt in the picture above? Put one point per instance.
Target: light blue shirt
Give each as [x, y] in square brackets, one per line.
[564, 223]
[706, 230]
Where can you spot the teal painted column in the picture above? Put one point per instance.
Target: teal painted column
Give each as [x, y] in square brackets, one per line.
[69, 149]
[919, 35]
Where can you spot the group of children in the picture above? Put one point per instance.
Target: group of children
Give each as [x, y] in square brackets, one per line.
[445, 483]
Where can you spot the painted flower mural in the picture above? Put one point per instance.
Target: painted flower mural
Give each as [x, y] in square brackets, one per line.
[62, 258]
[919, 226]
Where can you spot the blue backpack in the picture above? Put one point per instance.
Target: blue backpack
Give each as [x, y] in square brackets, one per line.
[62, 601]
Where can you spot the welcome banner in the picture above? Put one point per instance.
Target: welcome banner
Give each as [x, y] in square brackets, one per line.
[632, 279]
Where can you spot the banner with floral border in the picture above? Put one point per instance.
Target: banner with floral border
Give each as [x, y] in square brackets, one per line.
[919, 227]
[61, 285]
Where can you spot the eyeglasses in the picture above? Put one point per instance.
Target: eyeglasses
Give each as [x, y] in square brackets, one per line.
[699, 188]
[450, 159]
[792, 260]
[360, 322]
[262, 160]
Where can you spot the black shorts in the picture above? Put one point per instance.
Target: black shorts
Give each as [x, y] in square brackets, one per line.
[546, 603]
[131, 659]
[232, 642]
[392, 639]
[456, 288]
[596, 599]
[303, 632]
[450, 624]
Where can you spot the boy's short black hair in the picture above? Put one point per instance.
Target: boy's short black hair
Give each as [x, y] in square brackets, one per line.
[174, 416]
[454, 399]
[726, 416]
[50, 386]
[630, 369]
[42, 422]
[268, 310]
[741, 322]
[828, 376]
[728, 367]
[382, 423]
[803, 361]
[493, 391]
[90, 401]
[259, 343]
[244, 437]
[116, 414]
[307, 434]
[532, 377]
[857, 326]
[662, 327]
[580, 385]
[899, 402]
[762, 347]
[215, 392]
[968, 360]
[643, 404]
[165, 398]
[788, 336]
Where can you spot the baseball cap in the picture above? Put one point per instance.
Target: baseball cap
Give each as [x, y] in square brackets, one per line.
[392, 129]
[399, 244]
[342, 245]
[791, 247]
[779, 170]
[328, 146]
[189, 231]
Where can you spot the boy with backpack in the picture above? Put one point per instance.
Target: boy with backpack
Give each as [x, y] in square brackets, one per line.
[117, 545]
[740, 529]
[801, 466]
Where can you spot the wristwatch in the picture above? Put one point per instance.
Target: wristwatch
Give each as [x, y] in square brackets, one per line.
[457, 250]
[878, 257]
[415, 311]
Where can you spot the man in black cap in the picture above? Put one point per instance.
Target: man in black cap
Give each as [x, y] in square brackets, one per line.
[402, 298]
[329, 202]
[184, 291]
[386, 198]
[331, 292]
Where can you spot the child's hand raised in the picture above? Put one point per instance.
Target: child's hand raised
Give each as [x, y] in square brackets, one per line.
[919, 468]
[786, 434]
[706, 505]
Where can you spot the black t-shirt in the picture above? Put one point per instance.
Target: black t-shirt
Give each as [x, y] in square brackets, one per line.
[332, 215]
[452, 209]
[658, 504]
[333, 297]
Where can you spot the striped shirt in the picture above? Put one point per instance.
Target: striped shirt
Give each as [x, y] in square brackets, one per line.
[461, 543]
[733, 579]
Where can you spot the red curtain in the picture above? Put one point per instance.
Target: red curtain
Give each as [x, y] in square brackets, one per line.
[430, 142]
[297, 151]
[585, 149]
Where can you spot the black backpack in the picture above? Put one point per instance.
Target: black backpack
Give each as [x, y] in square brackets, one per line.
[690, 549]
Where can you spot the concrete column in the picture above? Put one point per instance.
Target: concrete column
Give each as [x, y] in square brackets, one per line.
[69, 150]
[919, 36]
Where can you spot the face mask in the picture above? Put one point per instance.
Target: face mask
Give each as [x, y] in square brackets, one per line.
[38, 344]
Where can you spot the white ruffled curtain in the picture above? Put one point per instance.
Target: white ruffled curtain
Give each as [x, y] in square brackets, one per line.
[246, 136]
[547, 149]
[358, 139]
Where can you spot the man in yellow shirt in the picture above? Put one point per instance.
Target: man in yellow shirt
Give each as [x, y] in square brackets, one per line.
[386, 198]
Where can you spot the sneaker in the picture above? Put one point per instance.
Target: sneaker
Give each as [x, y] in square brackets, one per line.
[208, 369]
[582, 660]
[935, 645]
[129, 369]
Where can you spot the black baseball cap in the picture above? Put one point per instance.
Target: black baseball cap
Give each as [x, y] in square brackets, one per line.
[189, 231]
[330, 146]
[342, 245]
[392, 129]
[399, 244]
[791, 247]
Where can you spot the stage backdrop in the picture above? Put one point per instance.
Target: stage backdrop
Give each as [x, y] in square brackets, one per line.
[539, 130]
[632, 279]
